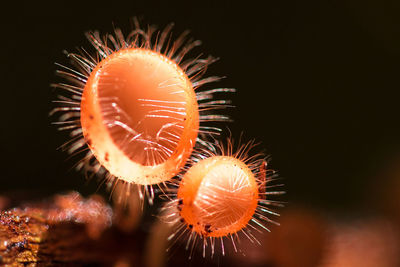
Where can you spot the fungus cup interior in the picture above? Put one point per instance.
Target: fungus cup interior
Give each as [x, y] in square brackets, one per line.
[219, 196]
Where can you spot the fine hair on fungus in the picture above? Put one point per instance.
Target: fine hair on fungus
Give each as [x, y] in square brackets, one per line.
[224, 194]
[135, 107]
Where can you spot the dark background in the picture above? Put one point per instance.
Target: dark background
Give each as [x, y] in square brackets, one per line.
[318, 85]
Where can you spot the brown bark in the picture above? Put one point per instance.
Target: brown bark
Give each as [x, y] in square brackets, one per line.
[67, 230]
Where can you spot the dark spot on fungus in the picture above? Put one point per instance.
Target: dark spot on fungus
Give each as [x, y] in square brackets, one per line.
[207, 228]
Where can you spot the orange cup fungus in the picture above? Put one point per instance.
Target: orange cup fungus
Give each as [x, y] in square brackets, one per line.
[222, 195]
[139, 116]
[136, 110]
[219, 196]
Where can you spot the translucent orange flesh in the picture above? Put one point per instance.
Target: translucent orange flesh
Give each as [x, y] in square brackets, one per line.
[139, 116]
[219, 196]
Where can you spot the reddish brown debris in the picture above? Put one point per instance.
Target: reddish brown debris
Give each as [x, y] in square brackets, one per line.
[66, 230]
[93, 212]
